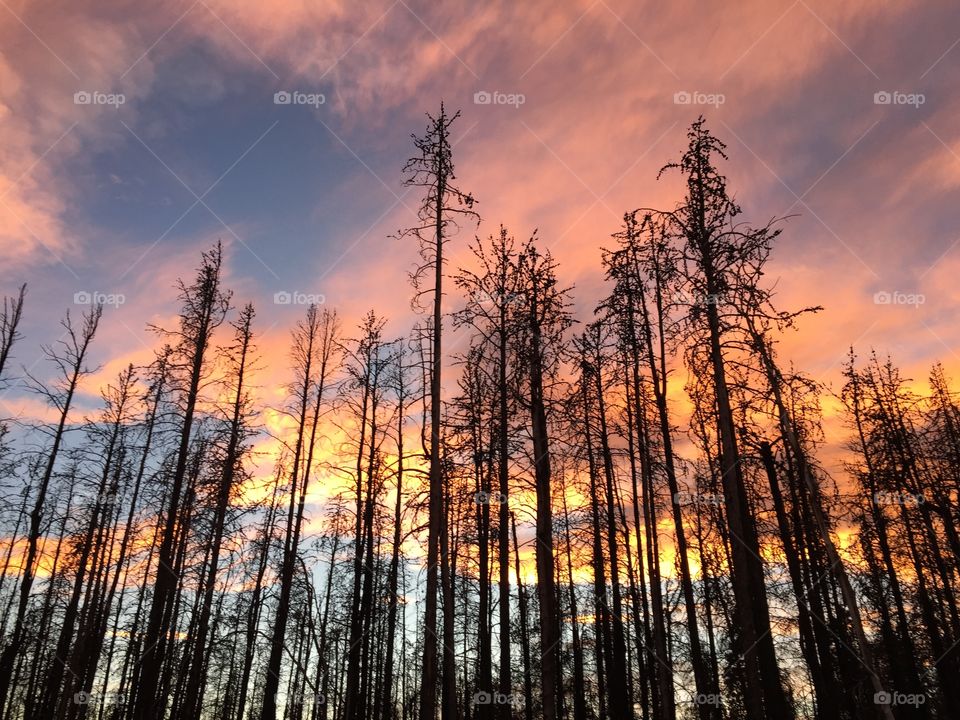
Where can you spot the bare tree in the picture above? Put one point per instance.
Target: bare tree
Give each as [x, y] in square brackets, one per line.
[443, 205]
[204, 306]
[69, 358]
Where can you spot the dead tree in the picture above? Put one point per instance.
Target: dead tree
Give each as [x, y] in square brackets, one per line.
[70, 360]
[443, 204]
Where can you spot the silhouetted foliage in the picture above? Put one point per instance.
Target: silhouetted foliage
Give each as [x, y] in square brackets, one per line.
[621, 518]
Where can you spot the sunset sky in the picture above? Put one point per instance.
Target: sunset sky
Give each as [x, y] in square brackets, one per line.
[845, 115]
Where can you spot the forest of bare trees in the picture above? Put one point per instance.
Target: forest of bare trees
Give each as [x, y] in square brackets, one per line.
[614, 516]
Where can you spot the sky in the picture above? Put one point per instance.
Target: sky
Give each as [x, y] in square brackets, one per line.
[133, 137]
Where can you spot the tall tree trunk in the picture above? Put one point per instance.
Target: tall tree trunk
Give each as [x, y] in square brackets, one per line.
[765, 696]
[620, 704]
[317, 334]
[204, 307]
[579, 681]
[197, 679]
[503, 519]
[73, 370]
[524, 636]
[657, 365]
[546, 588]
[389, 703]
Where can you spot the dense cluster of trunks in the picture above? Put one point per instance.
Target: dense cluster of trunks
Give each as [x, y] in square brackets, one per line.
[615, 516]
